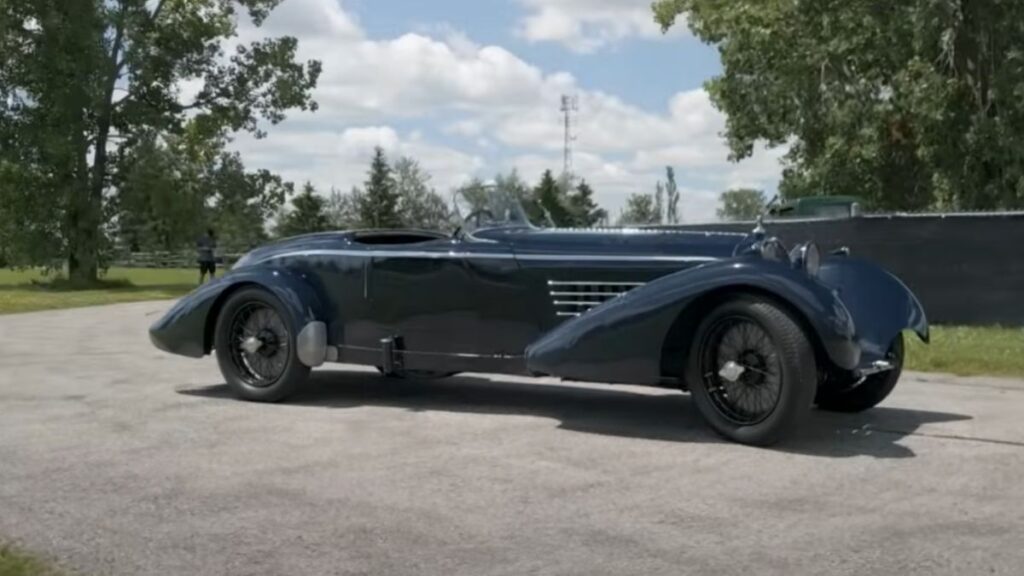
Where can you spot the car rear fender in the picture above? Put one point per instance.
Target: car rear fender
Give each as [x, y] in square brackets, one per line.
[621, 341]
[187, 328]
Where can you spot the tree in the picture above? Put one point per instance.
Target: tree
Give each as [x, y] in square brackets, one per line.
[170, 188]
[308, 214]
[378, 205]
[548, 195]
[672, 191]
[160, 202]
[907, 105]
[741, 204]
[343, 209]
[239, 202]
[79, 80]
[659, 201]
[583, 211]
[419, 206]
[639, 210]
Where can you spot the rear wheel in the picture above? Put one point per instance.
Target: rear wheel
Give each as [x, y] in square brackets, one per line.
[255, 345]
[868, 393]
[752, 371]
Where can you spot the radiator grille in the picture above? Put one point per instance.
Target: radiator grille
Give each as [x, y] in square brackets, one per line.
[576, 297]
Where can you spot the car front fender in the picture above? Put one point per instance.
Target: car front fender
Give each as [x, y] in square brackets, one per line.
[187, 328]
[622, 340]
[881, 304]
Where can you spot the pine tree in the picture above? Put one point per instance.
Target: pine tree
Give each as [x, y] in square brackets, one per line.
[549, 196]
[378, 205]
[307, 215]
[583, 210]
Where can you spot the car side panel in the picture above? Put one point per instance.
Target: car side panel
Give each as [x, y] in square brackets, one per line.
[622, 340]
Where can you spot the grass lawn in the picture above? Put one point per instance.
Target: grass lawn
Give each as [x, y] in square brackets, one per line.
[959, 350]
[13, 563]
[28, 290]
[969, 351]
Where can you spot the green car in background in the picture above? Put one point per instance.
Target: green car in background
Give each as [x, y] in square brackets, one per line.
[818, 207]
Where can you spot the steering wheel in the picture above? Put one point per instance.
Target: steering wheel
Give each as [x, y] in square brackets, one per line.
[474, 215]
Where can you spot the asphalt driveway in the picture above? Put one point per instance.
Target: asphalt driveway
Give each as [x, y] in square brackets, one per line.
[118, 459]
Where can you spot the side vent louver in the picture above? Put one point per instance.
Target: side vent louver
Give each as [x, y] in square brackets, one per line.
[574, 298]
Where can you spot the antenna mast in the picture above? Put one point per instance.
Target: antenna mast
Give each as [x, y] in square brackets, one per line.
[570, 105]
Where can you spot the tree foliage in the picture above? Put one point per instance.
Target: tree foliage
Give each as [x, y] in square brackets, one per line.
[672, 197]
[550, 197]
[640, 209]
[169, 189]
[741, 204]
[908, 105]
[378, 204]
[419, 206]
[583, 210]
[307, 215]
[80, 80]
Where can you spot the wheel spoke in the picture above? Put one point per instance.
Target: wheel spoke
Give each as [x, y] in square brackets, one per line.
[754, 394]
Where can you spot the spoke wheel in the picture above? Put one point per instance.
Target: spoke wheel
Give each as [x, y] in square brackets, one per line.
[260, 343]
[741, 370]
[751, 370]
[254, 341]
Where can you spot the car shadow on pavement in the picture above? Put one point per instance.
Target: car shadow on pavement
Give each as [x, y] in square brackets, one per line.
[610, 410]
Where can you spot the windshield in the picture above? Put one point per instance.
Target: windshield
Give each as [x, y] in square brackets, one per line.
[489, 206]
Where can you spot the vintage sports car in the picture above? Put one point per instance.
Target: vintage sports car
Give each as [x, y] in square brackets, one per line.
[756, 332]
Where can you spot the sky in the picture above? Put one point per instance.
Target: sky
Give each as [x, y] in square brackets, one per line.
[471, 88]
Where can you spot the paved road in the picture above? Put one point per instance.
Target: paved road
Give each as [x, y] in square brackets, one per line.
[118, 459]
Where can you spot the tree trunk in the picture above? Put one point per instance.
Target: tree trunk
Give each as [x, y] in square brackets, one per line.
[84, 238]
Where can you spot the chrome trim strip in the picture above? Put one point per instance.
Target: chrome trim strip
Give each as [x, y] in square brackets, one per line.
[422, 353]
[494, 256]
[596, 294]
[614, 257]
[577, 303]
[572, 314]
[396, 254]
[592, 283]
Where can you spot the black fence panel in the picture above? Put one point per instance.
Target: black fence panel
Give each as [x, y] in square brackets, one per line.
[966, 269]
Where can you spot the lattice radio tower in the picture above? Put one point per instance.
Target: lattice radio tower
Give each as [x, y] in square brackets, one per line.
[570, 105]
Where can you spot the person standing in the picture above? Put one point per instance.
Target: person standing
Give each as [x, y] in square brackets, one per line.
[205, 248]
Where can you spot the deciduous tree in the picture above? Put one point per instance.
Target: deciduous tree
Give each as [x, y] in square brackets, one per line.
[640, 209]
[79, 79]
[908, 105]
[741, 204]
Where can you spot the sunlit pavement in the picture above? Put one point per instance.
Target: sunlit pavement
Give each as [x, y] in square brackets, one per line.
[118, 459]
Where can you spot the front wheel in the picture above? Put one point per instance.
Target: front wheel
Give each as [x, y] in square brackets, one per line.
[255, 346]
[752, 371]
[868, 393]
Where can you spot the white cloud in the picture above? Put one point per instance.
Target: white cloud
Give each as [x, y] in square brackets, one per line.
[588, 25]
[340, 159]
[495, 111]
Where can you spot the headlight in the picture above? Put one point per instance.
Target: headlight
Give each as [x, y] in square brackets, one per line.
[807, 257]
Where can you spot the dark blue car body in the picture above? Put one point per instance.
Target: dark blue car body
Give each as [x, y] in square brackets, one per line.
[614, 305]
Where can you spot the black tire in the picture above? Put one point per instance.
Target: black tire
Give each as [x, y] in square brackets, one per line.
[775, 391]
[262, 375]
[868, 393]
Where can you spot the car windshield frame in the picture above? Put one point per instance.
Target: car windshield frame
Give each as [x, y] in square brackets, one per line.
[487, 207]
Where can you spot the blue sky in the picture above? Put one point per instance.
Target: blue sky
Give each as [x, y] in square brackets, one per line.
[470, 88]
